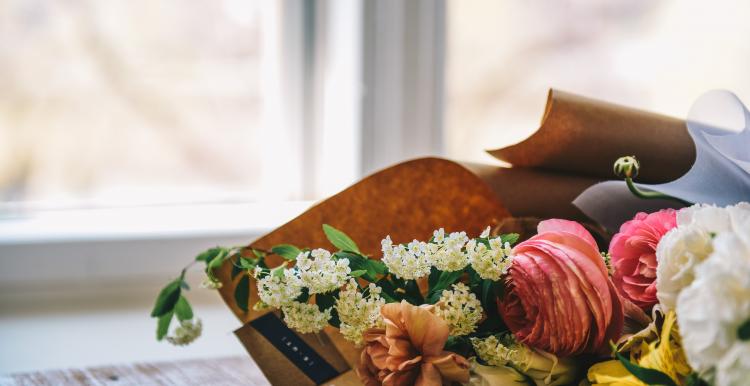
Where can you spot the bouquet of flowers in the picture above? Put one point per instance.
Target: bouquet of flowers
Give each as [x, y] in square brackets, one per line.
[666, 302]
[487, 310]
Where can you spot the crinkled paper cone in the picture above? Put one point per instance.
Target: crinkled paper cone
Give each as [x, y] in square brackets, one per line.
[407, 201]
[582, 136]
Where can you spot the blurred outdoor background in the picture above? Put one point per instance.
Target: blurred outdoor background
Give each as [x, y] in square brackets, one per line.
[135, 133]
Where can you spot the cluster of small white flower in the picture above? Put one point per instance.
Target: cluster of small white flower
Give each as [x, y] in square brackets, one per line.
[322, 274]
[186, 333]
[357, 312]
[490, 263]
[493, 352]
[211, 283]
[460, 308]
[279, 290]
[305, 317]
[446, 253]
[449, 256]
[407, 262]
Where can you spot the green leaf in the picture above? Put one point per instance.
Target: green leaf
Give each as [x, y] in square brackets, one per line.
[183, 310]
[162, 325]
[694, 380]
[242, 293]
[278, 271]
[340, 240]
[432, 279]
[360, 263]
[646, 375]
[209, 254]
[376, 266]
[510, 238]
[246, 263]
[217, 261]
[743, 332]
[358, 273]
[326, 301]
[167, 298]
[459, 344]
[412, 292]
[286, 251]
[488, 292]
[389, 291]
[445, 280]
[259, 254]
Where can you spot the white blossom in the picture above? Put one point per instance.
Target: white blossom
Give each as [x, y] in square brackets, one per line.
[187, 332]
[407, 262]
[211, 283]
[686, 246]
[278, 290]
[494, 352]
[305, 317]
[717, 302]
[460, 308]
[356, 312]
[321, 273]
[438, 236]
[734, 368]
[678, 253]
[490, 263]
[449, 255]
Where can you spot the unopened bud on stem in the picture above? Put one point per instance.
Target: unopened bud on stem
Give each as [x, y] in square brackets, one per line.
[627, 167]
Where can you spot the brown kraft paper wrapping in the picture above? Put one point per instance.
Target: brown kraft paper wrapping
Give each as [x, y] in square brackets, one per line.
[406, 201]
[583, 136]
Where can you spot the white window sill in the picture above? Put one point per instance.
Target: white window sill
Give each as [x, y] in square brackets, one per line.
[69, 250]
[148, 222]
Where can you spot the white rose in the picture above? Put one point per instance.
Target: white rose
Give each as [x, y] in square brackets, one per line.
[683, 248]
[734, 368]
[678, 253]
[717, 302]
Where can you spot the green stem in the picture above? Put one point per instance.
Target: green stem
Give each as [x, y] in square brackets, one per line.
[650, 195]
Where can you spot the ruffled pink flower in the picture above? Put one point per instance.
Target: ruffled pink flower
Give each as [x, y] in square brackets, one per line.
[409, 350]
[633, 253]
[559, 297]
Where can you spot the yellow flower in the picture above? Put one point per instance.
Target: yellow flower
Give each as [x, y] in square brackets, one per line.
[664, 354]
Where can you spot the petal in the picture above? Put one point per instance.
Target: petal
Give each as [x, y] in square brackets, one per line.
[429, 376]
[427, 331]
[452, 367]
[401, 378]
[567, 226]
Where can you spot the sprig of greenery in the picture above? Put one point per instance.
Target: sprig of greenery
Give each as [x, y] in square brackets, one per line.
[251, 262]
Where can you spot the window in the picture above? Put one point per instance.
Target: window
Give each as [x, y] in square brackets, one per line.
[502, 56]
[138, 102]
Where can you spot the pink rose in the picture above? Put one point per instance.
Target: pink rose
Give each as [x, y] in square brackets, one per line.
[633, 253]
[559, 297]
[409, 350]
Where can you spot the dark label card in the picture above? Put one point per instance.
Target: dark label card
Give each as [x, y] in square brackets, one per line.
[294, 348]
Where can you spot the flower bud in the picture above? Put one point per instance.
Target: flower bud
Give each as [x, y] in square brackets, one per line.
[627, 167]
[539, 366]
[482, 375]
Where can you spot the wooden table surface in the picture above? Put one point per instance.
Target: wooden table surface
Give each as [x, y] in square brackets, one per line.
[207, 372]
